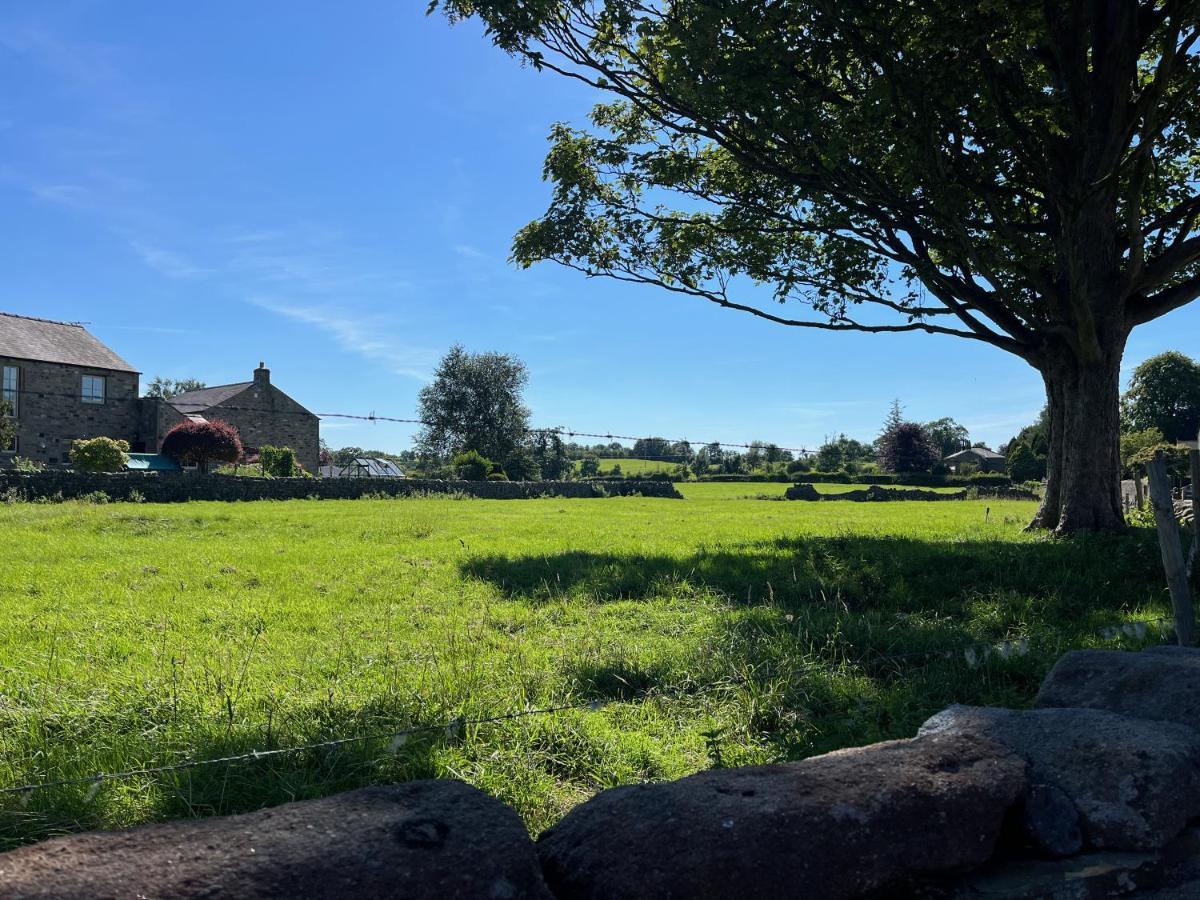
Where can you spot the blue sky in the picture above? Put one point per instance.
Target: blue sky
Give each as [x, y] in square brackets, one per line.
[333, 189]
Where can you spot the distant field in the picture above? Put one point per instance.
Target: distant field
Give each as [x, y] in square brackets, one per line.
[633, 466]
[720, 630]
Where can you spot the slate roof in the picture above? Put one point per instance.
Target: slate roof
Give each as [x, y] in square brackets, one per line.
[205, 398]
[979, 451]
[24, 337]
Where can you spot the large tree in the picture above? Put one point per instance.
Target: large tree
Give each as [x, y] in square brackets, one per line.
[948, 436]
[166, 388]
[1022, 174]
[906, 447]
[474, 403]
[1164, 393]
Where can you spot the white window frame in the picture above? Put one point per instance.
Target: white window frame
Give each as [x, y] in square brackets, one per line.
[91, 396]
[10, 388]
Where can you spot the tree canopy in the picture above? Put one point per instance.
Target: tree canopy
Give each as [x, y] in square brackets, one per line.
[842, 452]
[1021, 174]
[200, 443]
[166, 388]
[1164, 393]
[474, 403]
[905, 447]
[947, 436]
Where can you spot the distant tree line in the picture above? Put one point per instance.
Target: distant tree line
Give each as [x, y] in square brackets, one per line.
[1160, 409]
[476, 425]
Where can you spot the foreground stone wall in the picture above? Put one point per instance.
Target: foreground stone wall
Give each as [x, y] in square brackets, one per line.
[1090, 794]
[163, 487]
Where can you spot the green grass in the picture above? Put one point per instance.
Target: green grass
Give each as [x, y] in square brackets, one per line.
[721, 631]
[634, 466]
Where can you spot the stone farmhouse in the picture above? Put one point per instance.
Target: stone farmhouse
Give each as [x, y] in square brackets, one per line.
[981, 457]
[61, 383]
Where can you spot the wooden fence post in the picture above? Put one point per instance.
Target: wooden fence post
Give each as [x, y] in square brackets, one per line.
[1172, 550]
[1194, 465]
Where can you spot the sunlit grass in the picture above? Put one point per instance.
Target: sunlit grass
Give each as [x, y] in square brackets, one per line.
[721, 630]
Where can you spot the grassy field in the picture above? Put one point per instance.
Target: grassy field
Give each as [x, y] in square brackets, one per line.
[634, 466]
[720, 630]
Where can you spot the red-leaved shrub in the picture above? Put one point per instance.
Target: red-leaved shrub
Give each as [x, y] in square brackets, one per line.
[193, 443]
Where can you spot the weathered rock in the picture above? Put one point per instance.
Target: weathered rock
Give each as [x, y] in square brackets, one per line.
[1172, 873]
[832, 826]
[420, 839]
[1174, 650]
[1134, 782]
[1162, 685]
[1051, 821]
[801, 492]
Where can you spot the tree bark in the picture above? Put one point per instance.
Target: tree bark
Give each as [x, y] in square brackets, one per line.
[1083, 469]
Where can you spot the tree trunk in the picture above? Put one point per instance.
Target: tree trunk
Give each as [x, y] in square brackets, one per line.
[1083, 469]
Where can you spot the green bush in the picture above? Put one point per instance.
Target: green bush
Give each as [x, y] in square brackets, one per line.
[989, 479]
[496, 476]
[1023, 465]
[101, 454]
[472, 466]
[278, 462]
[29, 466]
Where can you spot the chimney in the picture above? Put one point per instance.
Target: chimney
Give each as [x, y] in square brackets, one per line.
[262, 375]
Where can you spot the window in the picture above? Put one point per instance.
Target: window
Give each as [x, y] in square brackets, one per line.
[93, 388]
[9, 388]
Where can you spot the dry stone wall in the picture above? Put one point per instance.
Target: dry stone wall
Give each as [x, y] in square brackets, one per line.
[1081, 797]
[159, 487]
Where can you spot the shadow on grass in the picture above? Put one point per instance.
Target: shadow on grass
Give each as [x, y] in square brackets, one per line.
[1089, 576]
[826, 642]
[775, 650]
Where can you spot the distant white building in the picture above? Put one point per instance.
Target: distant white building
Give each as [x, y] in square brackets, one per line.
[364, 467]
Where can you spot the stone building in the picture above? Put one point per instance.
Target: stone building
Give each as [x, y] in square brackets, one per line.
[261, 412]
[61, 383]
[982, 458]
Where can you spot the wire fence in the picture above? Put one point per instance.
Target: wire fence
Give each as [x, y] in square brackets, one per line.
[561, 431]
[396, 739]
[975, 656]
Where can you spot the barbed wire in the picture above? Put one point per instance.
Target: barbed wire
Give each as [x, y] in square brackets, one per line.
[975, 655]
[557, 430]
[396, 737]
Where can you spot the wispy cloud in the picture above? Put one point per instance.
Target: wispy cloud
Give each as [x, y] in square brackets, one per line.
[367, 336]
[83, 64]
[71, 195]
[469, 252]
[167, 262]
